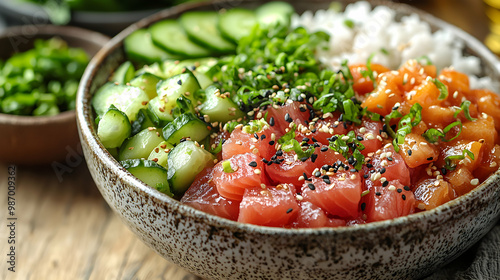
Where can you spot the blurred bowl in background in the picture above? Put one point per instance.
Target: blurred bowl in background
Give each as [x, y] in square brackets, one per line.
[18, 12]
[40, 140]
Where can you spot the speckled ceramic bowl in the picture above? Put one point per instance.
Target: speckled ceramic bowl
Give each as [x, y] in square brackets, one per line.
[41, 140]
[215, 248]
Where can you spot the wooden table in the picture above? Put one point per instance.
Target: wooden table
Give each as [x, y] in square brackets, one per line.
[65, 230]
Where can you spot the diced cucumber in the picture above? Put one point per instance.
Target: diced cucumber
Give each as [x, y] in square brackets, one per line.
[147, 82]
[170, 36]
[127, 99]
[157, 110]
[174, 67]
[124, 73]
[184, 84]
[274, 12]
[114, 127]
[185, 161]
[150, 173]
[237, 23]
[169, 90]
[140, 145]
[186, 125]
[142, 122]
[201, 27]
[199, 68]
[218, 107]
[155, 69]
[160, 153]
[140, 48]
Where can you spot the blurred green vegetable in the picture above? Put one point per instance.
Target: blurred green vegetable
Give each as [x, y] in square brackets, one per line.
[42, 81]
[59, 11]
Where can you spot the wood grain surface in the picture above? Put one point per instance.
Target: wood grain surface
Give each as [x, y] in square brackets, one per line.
[65, 230]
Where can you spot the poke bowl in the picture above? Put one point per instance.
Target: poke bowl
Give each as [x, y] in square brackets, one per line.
[213, 247]
[27, 139]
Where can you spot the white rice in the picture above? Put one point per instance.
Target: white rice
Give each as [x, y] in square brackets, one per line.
[377, 32]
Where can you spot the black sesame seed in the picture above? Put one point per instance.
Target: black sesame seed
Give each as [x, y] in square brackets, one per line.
[369, 165]
[325, 167]
[314, 140]
[271, 121]
[403, 197]
[279, 153]
[326, 180]
[256, 136]
[302, 109]
[399, 190]
[363, 206]
[366, 176]
[265, 160]
[444, 171]
[305, 139]
[430, 158]
[406, 188]
[289, 210]
[378, 194]
[271, 143]
[390, 159]
[409, 152]
[179, 82]
[324, 149]
[382, 171]
[314, 130]
[262, 137]
[288, 118]
[253, 164]
[317, 174]
[314, 157]
[303, 159]
[311, 186]
[385, 183]
[353, 170]
[359, 138]
[316, 145]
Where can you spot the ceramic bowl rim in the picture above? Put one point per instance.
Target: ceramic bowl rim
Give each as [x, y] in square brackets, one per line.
[88, 134]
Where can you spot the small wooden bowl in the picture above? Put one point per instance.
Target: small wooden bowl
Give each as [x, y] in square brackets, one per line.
[40, 140]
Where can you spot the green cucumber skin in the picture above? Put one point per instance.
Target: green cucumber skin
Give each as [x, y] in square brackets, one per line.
[150, 173]
[185, 161]
[127, 99]
[219, 109]
[236, 23]
[169, 35]
[186, 125]
[201, 27]
[113, 128]
[140, 145]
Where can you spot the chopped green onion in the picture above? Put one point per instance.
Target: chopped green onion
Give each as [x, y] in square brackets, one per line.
[226, 166]
[443, 91]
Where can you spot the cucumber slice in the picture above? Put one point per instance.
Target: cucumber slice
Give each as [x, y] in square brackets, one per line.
[150, 173]
[114, 127]
[127, 99]
[157, 110]
[236, 23]
[142, 122]
[170, 36]
[218, 107]
[124, 73]
[276, 12]
[185, 161]
[160, 153]
[186, 125]
[140, 145]
[147, 82]
[201, 27]
[140, 48]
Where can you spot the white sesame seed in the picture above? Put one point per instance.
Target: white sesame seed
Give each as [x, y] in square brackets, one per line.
[391, 188]
[474, 182]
